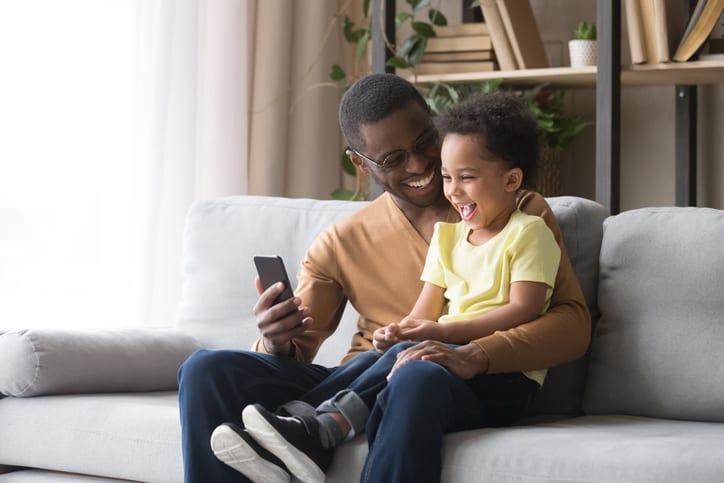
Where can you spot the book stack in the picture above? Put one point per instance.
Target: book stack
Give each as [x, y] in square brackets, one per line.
[658, 30]
[516, 39]
[458, 48]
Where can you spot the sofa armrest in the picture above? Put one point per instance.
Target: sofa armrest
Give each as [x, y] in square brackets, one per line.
[36, 362]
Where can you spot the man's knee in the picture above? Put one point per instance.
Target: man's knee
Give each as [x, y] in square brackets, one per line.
[198, 365]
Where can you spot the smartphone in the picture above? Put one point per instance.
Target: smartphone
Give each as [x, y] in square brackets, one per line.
[271, 270]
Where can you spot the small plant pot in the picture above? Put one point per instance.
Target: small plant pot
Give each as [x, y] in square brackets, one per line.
[582, 52]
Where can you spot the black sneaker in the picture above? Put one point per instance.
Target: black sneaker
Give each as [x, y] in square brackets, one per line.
[236, 448]
[294, 440]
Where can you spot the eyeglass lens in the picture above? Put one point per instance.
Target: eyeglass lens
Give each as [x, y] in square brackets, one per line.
[427, 140]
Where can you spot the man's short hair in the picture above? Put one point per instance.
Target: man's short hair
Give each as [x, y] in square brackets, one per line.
[371, 99]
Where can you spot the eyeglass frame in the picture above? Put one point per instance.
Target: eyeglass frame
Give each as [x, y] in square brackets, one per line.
[407, 152]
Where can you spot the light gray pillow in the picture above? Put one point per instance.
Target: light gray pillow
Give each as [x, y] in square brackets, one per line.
[35, 362]
[657, 349]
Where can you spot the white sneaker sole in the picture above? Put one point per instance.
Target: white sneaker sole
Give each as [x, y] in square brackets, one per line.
[298, 463]
[232, 450]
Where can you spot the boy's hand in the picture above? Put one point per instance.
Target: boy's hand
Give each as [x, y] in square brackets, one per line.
[420, 329]
[279, 323]
[385, 337]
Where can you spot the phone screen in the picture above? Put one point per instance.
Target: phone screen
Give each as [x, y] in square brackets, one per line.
[271, 270]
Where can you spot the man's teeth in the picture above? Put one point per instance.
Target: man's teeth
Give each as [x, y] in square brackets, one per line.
[421, 183]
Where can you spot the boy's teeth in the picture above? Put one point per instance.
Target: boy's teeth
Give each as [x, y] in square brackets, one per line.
[421, 183]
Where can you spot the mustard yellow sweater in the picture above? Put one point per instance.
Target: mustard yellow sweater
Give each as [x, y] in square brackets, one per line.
[374, 259]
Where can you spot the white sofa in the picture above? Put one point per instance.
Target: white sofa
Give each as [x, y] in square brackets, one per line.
[647, 405]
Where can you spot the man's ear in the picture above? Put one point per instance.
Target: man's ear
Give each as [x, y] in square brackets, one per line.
[357, 161]
[513, 179]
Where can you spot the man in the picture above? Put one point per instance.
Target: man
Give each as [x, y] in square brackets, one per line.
[374, 259]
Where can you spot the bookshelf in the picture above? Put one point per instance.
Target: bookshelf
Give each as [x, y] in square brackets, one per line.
[608, 77]
[694, 72]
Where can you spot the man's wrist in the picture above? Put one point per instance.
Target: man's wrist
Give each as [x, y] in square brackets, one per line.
[289, 351]
[478, 358]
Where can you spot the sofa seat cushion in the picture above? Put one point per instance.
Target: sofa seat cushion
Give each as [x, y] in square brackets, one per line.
[134, 436]
[44, 476]
[583, 449]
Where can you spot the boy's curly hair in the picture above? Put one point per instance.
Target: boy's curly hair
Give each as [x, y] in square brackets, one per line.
[506, 130]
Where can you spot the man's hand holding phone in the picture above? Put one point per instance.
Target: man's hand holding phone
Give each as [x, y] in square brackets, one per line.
[279, 316]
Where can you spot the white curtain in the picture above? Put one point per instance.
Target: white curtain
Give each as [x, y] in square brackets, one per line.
[114, 117]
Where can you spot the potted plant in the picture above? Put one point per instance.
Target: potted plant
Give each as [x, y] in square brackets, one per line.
[582, 48]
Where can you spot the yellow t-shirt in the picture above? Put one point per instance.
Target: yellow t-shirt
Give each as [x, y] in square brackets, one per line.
[477, 279]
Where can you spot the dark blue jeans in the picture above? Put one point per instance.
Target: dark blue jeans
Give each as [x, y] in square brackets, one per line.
[215, 385]
[421, 403]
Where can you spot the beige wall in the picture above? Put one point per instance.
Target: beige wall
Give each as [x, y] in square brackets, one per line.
[647, 123]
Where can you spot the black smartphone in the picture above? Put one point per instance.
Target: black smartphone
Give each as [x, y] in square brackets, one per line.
[271, 270]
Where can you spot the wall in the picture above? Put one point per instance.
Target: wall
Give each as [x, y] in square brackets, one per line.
[647, 122]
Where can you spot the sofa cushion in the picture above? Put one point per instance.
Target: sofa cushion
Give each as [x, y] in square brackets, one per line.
[36, 362]
[657, 349]
[221, 238]
[581, 223]
[133, 437]
[584, 449]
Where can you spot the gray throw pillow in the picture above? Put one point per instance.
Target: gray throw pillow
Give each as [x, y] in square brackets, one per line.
[35, 362]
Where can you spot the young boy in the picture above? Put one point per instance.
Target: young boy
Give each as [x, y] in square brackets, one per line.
[492, 271]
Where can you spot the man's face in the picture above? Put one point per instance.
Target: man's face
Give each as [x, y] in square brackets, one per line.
[416, 178]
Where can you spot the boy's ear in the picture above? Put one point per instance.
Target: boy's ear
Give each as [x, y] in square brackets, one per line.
[513, 180]
[356, 160]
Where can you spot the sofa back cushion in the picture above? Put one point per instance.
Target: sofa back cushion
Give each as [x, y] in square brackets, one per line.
[223, 235]
[581, 223]
[657, 349]
[221, 238]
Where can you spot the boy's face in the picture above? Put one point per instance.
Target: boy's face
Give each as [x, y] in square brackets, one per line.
[416, 180]
[481, 190]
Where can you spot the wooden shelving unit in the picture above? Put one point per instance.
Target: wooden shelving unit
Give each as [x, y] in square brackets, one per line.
[699, 72]
[607, 78]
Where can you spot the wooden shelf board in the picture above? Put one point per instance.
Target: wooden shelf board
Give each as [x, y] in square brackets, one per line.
[694, 72]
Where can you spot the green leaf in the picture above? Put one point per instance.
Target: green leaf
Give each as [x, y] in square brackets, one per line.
[415, 54]
[344, 194]
[436, 17]
[424, 29]
[407, 45]
[475, 3]
[400, 18]
[350, 35]
[362, 45]
[419, 4]
[366, 8]
[337, 73]
[347, 164]
[491, 85]
[397, 62]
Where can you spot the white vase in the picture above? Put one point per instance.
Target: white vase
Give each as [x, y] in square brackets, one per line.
[582, 52]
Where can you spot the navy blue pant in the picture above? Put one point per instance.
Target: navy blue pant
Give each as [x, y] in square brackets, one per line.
[421, 403]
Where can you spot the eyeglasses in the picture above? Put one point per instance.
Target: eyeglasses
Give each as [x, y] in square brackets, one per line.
[422, 145]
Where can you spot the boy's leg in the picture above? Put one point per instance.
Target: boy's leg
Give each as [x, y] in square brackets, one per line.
[305, 441]
[214, 387]
[421, 403]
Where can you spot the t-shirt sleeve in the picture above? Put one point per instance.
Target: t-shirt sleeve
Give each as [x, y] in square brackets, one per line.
[535, 255]
[433, 272]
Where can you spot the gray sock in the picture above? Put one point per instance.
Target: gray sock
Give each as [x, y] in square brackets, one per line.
[329, 431]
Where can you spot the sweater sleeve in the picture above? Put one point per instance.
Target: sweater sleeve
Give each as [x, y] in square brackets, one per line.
[319, 290]
[558, 336]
